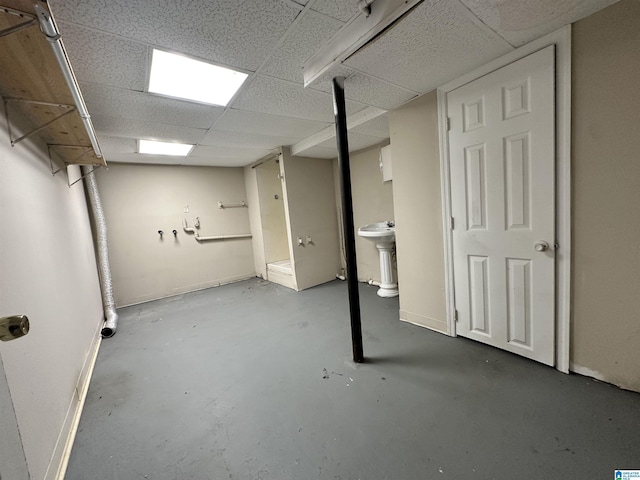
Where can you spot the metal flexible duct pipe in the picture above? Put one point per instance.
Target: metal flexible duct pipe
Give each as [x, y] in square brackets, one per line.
[111, 317]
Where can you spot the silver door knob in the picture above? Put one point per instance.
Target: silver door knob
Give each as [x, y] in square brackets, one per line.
[541, 246]
[13, 327]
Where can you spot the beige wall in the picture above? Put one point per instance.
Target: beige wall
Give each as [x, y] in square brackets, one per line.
[418, 212]
[48, 272]
[311, 209]
[139, 200]
[274, 225]
[605, 330]
[372, 202]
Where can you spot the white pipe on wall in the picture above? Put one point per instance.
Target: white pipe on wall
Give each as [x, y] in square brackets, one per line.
[186, 228]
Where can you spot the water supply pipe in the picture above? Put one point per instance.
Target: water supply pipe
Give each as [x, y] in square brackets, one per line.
[104, 270]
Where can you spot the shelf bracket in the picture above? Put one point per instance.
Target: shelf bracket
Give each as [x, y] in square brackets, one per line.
[32, 20]
[82, 176]
[14, 141]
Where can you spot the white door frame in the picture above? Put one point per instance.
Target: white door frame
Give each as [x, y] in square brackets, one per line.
[562, 40]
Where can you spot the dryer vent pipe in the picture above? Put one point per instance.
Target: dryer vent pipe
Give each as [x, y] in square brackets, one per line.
[108, 303]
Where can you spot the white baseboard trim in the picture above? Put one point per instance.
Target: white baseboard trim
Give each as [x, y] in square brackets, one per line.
[62, 451]
[439, 326]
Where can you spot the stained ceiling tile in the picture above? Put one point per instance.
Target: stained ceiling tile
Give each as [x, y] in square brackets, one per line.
[101, 58]
[240, 34]
[341, 9]
[278, 97]
[433, 44]
[229, 152]
[378, 127]
[113, 102]
[371, 91]
[217, 137]
[302, 42]
[521, 21]
[266, 124]
[125, 127]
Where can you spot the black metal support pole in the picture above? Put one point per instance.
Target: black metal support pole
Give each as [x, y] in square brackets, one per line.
[339, 110]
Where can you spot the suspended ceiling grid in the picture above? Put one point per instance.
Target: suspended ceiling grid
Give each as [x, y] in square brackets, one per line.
[109, 44]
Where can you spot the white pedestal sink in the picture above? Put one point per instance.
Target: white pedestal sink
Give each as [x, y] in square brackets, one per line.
[383, 234]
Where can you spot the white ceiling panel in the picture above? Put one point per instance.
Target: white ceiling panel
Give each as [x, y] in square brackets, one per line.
[215, 162]
[218, 151]
[266, 124]
[433, 44]
[357, 141]
[240, 34]
[340, 9]
[319, 152]
[113, 102]
[279, 97]
[378, 127]
[117, 145]
[217, 137]
[100, 58]
[521, 21]
[309, 34]
[144, 159]
[128, 128]
[368, 90]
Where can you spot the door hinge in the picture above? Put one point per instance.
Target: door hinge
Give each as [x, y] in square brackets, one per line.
[453, 223]
[455, 315]
[448, 123]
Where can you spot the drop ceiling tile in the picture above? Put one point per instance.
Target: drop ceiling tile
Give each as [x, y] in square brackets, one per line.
[218, 151]
[217, 162]
[218, 137]
[378, 127]
[117, 145]
[114, 102]
[521, 21]
[309, 34]
[371, 91]
[319, 152]
[341, 9]
[240, 34]
[145, 159]
[101, 58]
[433, 44]
[357, 141]
[279, 97]
[266, 124]
[125, 127]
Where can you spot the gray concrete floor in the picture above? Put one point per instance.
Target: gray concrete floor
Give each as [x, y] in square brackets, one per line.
[229, 383]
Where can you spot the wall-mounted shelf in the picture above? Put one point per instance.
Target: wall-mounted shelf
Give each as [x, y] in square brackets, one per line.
[36, 94]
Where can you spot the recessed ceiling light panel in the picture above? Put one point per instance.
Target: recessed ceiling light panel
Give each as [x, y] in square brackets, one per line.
[164, 148]
[182, 77]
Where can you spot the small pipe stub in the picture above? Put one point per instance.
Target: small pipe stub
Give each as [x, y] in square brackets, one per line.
[160, 232]
[175, 233]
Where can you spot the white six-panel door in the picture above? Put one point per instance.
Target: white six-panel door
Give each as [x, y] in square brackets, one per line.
[502, 161]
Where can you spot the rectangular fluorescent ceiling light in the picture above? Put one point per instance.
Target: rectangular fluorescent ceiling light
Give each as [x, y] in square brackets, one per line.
[181, 77]
[164, 148]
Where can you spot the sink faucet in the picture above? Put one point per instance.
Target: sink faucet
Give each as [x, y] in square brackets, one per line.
[391, 223]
